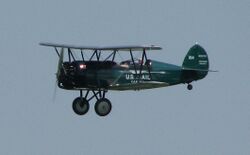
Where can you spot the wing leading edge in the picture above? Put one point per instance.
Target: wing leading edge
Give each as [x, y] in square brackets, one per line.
[105, 48]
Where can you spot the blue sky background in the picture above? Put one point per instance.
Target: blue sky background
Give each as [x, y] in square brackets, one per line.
[213, 118]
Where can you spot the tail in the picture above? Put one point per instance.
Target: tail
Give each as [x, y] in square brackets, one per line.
[195, 65]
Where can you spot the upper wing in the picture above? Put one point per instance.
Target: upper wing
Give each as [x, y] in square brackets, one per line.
[105, 48]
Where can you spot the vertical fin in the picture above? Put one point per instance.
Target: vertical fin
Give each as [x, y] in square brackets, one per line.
[196, 58]
[195, 65]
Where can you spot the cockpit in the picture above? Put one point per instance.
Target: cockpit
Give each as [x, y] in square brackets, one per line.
[137, 62]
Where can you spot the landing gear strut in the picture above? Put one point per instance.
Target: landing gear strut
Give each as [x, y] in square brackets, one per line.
[102, 106]
[189, 87]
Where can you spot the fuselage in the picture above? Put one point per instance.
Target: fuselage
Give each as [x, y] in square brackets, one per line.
[124, 76]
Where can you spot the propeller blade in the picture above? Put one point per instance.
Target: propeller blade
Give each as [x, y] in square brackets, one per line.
[60, 62]
[59, 68]
[55, 93]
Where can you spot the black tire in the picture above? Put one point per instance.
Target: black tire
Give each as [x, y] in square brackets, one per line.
[103, 107]
[80, 106]
[189, 87]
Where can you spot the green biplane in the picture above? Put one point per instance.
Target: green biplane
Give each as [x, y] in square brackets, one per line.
[96, 75]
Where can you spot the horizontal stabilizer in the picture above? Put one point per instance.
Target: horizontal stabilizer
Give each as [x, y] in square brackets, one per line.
[202, 70]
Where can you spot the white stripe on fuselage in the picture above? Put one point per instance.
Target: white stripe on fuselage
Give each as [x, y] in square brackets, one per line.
[143, 72]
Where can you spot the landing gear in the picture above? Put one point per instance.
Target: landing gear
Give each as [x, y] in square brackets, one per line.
[102, 106]
[80, 106]
[189, 87]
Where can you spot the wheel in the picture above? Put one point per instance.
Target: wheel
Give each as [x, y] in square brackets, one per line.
[189, 87]
[80, 106]
[103, 107]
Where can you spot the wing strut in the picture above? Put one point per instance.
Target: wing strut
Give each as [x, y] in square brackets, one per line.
[71, 54]
[142, 61]
[132, 58]
[114, 56]
[111, 55]
[57, 52]
[147, 64]
[138, 74]
[94, 53]
[82, 55]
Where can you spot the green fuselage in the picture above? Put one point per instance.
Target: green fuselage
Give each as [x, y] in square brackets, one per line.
[112, 76]
[161, 75]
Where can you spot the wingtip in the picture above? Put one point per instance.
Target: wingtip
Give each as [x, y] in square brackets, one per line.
[213, 70]
[42, 43]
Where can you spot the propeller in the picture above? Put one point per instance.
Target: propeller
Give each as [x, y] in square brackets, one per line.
[59, 68]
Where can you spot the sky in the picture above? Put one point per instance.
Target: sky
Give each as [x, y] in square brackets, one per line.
[213, 118]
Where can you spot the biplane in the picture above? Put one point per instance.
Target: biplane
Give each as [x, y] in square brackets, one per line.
[96, 75]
